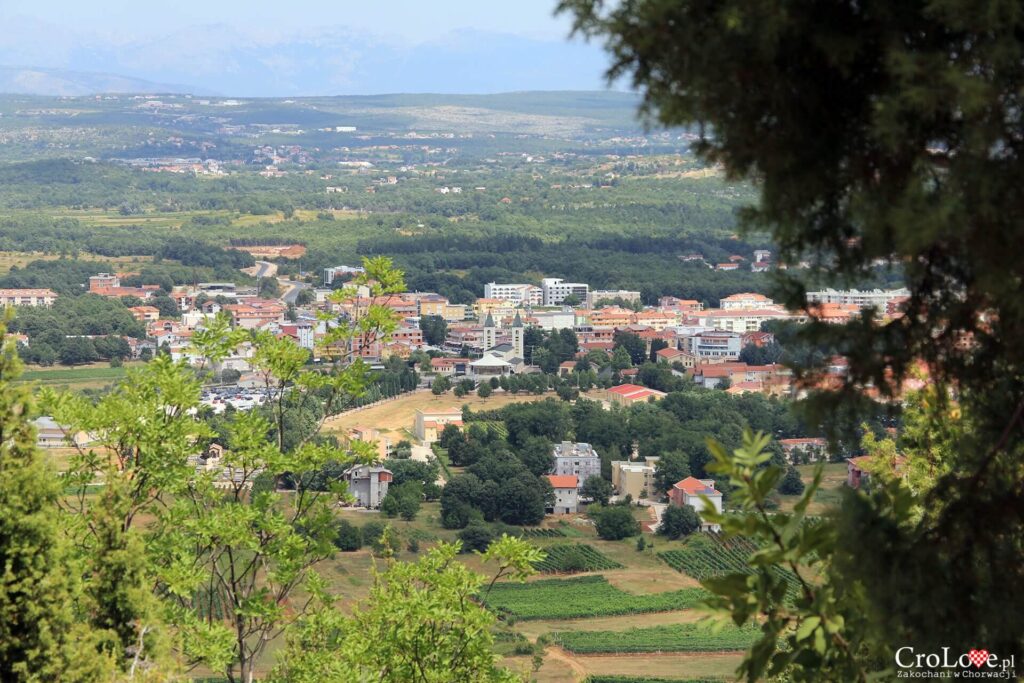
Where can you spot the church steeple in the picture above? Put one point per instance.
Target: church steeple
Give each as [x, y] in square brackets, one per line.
[490, 339]
[518, 336]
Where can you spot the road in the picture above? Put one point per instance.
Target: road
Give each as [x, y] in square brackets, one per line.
[292, 291]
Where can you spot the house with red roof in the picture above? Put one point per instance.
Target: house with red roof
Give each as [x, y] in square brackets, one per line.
[689, 491]
[627, 394]
[566, 500]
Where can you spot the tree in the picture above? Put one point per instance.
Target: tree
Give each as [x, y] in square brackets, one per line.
[597, 488]
[791, 484]
[77, 351]
[484, 390]
[435, 329]
[671, 468]
[678, 521]
[421, 622]
[168, 307]
[476, 537]
[440, 385]
[349, 537]
[913, 112]
[403, 500]
[40, 638]
[616, 522]
[537, 453]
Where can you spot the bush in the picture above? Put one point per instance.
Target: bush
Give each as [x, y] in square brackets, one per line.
[615, 523]
[791, 484]
[349, 538]
[476, 536]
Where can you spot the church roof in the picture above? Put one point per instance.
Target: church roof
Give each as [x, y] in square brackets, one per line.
[489, 322]
[517, 321]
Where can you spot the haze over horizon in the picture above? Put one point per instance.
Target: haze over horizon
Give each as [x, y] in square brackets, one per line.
[307, 47]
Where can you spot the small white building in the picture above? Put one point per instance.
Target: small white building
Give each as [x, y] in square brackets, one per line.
[566, 488]
[368, 484]
[689, 492]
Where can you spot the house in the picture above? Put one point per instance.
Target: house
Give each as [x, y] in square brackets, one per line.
[628, 394]
[689, 492]
[49, 434]
[635, 479]
[858, 469]
[714, 345]
[385, 449]
[146, 314]
[566, 368]
[27, 297]
[430, 423]
[566, 488]
[449, 367]
[579, 459]
[812, 448]
[368, 484]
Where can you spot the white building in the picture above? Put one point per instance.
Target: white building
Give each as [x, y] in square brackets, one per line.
[579, 459]
[27, 297]
[331, 273]
[689, 491]
[747, 300]
[877, 298]
[556, 290]
[566, 488]
[715, 345]
[611, 295]
[519, 294]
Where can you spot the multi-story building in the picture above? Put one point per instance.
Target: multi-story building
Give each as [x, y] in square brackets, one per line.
[103, 281]
[741, 319]
[368, 484]
[634, 479]
[579, 459]
[27, 297]
[330, 274]
[598, 295]
[430, 423]
[748, 300]
[714, 345]
[877, 298]
[516, 293]
[556, 290]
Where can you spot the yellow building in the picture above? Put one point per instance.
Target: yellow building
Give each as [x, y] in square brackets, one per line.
[635, 479]
[430, 423]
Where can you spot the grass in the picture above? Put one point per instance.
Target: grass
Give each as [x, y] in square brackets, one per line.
[93, 376]
[828, 495]
[586, 596]
[392, 416]
[669, 638]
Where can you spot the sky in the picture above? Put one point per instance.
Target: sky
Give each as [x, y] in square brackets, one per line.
[406, 20]
[306, 47]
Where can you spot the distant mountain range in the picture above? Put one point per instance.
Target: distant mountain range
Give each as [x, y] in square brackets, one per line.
[221, 59]
[40, 81]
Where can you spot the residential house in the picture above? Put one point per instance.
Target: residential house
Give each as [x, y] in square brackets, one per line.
[689, 492]
[812, 448]
[628, 394]
[429, 424]
[566, 488]
[146, 314]
[49, 434]
[368, 484]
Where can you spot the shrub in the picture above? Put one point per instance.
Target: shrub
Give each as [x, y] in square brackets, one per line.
[476, 536]
[615, 523]
[349, 538]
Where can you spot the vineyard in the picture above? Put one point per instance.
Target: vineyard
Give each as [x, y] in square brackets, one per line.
[647, 679]
[527, 532]
[710, 555]
[585, 596]
[673, 638]
[569, 558]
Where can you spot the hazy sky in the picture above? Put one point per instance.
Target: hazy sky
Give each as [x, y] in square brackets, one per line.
[407, 20]
[295, 47]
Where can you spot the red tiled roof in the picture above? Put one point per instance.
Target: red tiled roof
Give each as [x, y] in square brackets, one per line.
[695, 487]
[563, 481]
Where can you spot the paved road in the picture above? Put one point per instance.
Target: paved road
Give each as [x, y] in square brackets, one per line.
[265, 269]
[292, 293]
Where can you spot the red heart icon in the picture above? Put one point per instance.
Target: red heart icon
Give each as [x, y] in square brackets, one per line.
[978, 657]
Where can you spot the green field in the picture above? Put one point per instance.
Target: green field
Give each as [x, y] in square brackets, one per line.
[674, 638]
[93, 376]
[708, 555]
[575, 557]
[586, 596]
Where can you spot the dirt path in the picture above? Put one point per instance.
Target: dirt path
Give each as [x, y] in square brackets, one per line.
[557, 654]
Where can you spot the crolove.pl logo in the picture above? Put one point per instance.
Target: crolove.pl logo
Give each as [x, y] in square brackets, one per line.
[976, 663]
